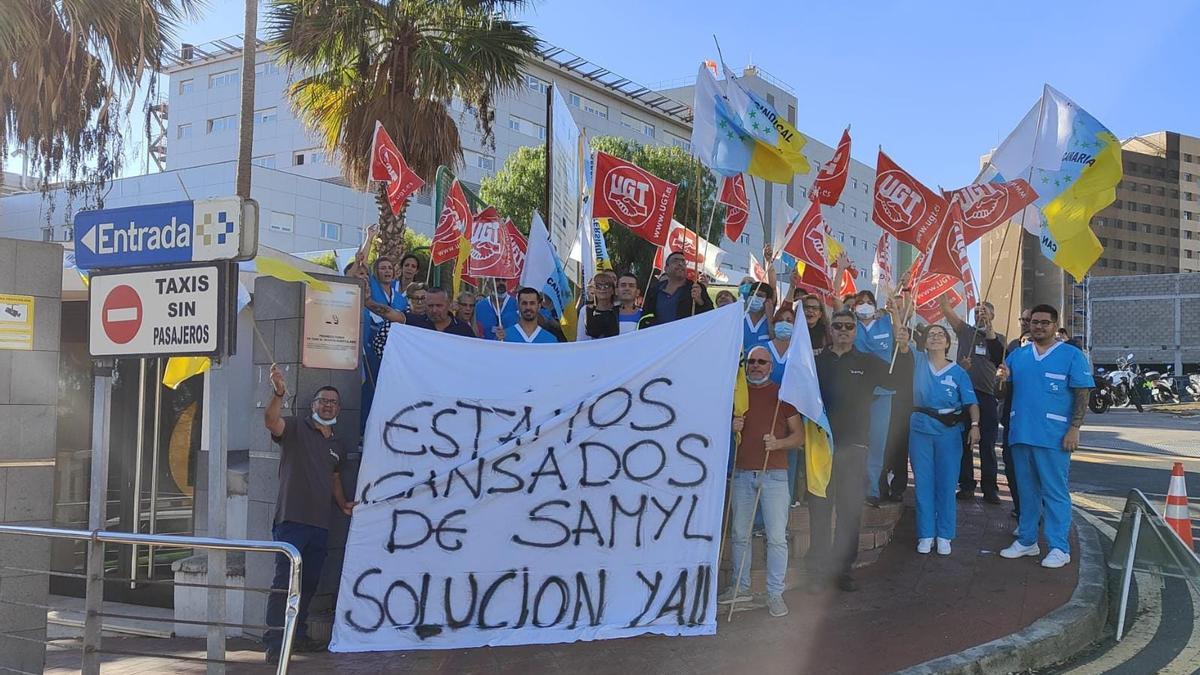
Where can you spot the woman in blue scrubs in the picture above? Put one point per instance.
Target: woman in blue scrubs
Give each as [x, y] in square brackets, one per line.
[942, 393]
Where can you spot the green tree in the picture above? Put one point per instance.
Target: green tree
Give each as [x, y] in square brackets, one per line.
[520, 187]
[69, 70]
[400, 62]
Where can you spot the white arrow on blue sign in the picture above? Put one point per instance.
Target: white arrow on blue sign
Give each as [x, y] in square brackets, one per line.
[162, 234]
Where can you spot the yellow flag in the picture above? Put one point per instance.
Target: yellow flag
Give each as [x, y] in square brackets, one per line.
[570, 321]
[818, 458]
[180, 368]
[741, 399]
[460, 265]
[1075, 246]
[285, 272]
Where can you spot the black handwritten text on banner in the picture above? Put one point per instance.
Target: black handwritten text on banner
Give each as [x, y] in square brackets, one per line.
[515, 494]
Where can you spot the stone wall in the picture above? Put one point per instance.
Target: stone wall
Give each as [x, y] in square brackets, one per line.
[1156, 317]
[28, 395]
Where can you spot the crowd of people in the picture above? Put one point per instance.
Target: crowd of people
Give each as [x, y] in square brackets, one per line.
[924, 399]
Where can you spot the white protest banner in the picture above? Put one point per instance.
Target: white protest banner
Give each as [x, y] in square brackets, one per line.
[558, 492]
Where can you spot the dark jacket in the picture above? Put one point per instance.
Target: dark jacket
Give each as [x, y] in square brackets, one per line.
[684, 307]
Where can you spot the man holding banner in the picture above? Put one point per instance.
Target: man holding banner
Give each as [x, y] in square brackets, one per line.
[768, 430]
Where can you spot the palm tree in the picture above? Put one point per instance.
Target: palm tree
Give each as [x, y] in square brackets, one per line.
[68, 72]
[400, 62]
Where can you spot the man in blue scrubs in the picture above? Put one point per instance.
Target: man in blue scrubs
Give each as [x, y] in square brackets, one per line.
[1049, 383]
[874, 336]
[488, 318]
[528, 329]
[756, 325]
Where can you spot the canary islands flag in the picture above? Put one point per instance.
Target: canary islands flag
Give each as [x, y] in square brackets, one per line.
[735, 131]
[800, 388]
[1074, 164]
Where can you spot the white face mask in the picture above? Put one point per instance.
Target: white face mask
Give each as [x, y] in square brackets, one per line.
[757, 380]
[325, 423]
[865, 310]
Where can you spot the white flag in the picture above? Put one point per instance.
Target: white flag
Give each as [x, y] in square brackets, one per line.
[543, 270]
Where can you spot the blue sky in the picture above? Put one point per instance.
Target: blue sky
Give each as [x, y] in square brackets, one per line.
[936, 83]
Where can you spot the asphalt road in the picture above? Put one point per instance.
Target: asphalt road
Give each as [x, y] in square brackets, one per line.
[1122, 450]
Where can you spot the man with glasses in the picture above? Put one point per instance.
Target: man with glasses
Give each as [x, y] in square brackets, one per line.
[310, 462]
[1049, 383]
[848, 378]
[674, 296]
[769, 429]
[980, 352]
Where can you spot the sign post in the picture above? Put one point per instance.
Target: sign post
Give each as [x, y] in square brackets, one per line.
[172, 311]
[167, 234]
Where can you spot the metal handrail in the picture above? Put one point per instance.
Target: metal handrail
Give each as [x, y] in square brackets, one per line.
[1181, 556]
[95, 537]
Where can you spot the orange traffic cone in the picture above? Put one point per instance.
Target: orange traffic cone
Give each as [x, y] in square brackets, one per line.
[1177, 516]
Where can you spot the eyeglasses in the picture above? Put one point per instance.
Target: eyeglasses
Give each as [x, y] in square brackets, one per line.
[326, 401]
[604, 286]
[757, 362]
[838, 325]
[1040, 322]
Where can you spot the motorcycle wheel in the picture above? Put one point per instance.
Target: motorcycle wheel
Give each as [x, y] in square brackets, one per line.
[1097, 403]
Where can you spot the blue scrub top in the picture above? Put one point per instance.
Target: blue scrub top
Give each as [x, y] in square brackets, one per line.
[485, 314]
[1041, 392]
[877, 340]
[779, 361]
[754, 334]
[945, 390]
[514, 334]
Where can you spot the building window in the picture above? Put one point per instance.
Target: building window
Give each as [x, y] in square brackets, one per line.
[1174, 232]
[265, 161]
[524, 126]
[678, 142]
[1119, 243]
[266, 68]
[1160, 231]
[1160, 250]
[425, 196]
[1145, 248]
[588, 105]
[219, 124]
[311, 156]
[183, 131]
[331, 231]
[282, 222]
[1187, 157]
[1187, 215]
[1103, 262]
[68, 233]
[1188, 254]
[225, 78]
[536, 84]
[265, 116]
[479, 160]
[631, 122]
[186, 86]
[1161, 192]
[1117, 264]
[1131, 206]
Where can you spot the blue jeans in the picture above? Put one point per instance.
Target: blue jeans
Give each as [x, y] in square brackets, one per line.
[1042, 474]
[881, 418]
[774, 503]
[935, 463]
[310, 541]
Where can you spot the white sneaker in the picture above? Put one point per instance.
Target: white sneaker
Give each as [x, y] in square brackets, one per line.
[1019, 550]
[924, 545]
[1055, 559]
[943, 546]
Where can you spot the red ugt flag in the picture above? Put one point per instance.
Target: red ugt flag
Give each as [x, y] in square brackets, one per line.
[633, 197]
[806, 240]
[831, 179]
[987, 205]
[517, 246]
[387, 164]
[453, 224]
[737, 207]
[490, 249]
[905, 207]
[948, 251]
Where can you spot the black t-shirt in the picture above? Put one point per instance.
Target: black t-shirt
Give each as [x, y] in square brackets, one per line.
[602, 323]
[455, 327]
[847, 386]
[307, 462]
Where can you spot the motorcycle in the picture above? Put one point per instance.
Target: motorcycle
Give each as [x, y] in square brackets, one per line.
[1160, 386]
[1123, 383]
[1193, 387]
[1100, 399]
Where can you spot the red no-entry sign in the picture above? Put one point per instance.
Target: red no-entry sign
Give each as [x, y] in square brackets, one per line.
[121, 315]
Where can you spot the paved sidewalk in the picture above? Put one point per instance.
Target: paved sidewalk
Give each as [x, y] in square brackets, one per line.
[908, 609]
